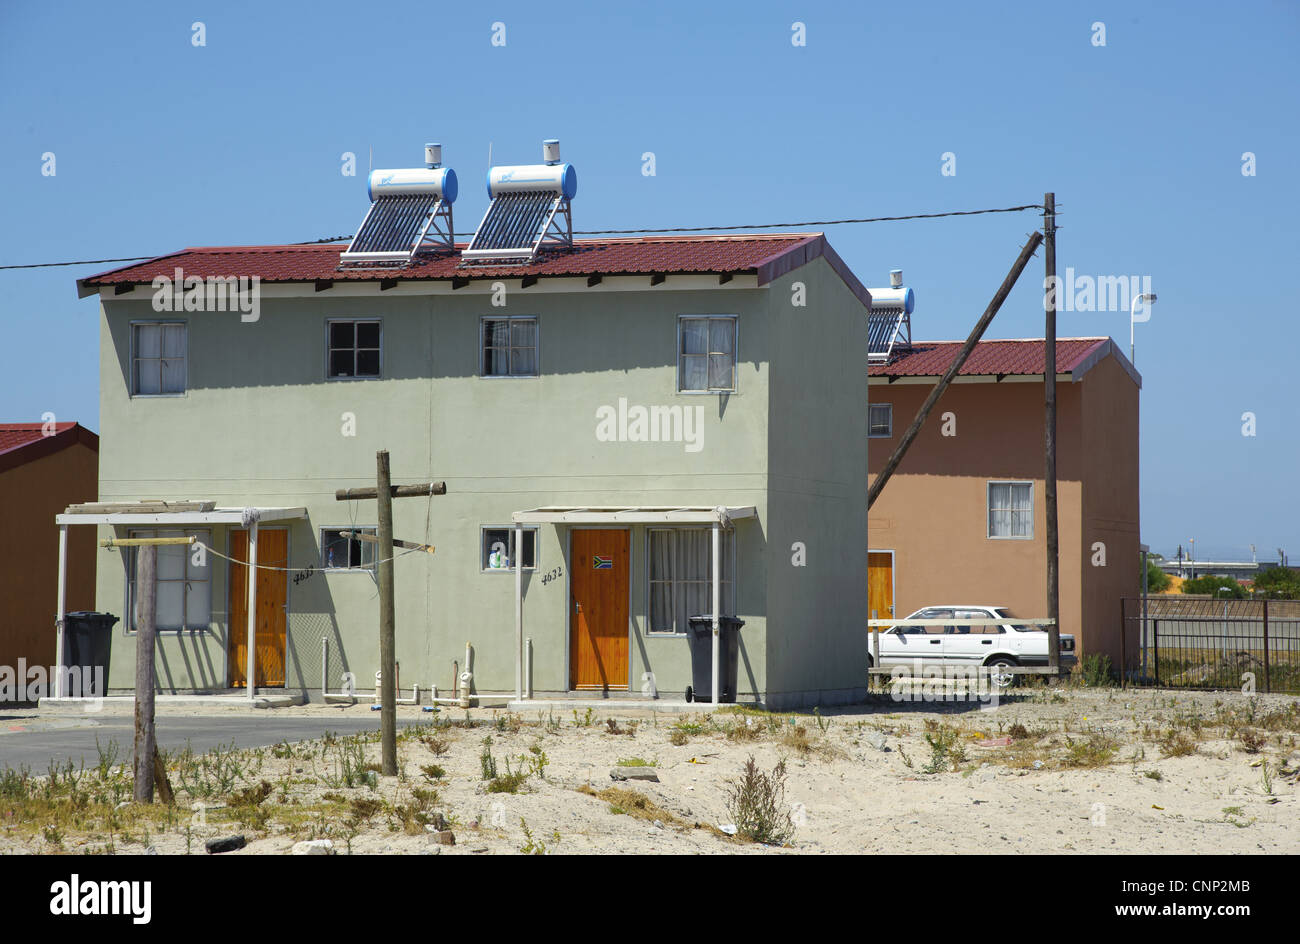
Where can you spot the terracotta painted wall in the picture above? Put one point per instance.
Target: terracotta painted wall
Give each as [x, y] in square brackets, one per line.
[31, 495]
[1110, 504]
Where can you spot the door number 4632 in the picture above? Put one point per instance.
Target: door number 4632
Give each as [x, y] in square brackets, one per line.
[548, 577]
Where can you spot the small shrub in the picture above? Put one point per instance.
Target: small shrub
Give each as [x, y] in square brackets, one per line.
[1096, 670]
[1176, 744]
[756, 802]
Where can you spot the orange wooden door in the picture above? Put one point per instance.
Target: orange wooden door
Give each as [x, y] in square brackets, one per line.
[272, 613]
[880, 584]
[598, 633]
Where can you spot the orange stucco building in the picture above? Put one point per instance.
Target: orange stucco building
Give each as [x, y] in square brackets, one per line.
[961, 520]
[43, 469]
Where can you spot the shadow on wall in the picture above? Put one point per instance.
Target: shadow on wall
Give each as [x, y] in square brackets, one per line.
[287, 345]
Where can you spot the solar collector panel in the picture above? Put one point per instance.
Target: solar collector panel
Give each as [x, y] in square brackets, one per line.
[514, 225]
[394, 224]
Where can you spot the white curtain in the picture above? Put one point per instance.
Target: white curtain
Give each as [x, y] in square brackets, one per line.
[680, 566]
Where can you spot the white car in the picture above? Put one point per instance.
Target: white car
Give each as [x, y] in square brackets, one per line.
[1004, 644]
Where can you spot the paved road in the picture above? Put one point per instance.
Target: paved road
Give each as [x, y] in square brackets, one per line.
[34, 740]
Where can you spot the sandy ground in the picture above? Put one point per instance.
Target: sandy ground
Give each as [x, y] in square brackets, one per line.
[856, 782]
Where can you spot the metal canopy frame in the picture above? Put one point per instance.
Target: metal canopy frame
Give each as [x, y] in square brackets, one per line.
[518, 226]
[634, 514]
[388, 236]
[888, 330]
[249, 518]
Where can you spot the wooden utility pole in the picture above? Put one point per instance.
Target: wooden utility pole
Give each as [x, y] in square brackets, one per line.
[1049, 477]
[387, 629]
[976, 333]
[384, 492]
[146, 600]
[146, 765]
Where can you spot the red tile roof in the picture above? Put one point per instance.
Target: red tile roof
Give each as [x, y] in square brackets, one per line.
[25, 442]
[993, 358]
[766, 255]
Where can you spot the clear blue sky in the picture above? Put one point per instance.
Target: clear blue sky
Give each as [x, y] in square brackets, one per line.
[161, 145]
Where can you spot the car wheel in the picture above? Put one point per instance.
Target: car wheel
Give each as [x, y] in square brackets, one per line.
[690, 694]
[998, 675]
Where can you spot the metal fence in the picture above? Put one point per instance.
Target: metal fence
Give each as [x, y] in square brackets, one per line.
[1207, 643]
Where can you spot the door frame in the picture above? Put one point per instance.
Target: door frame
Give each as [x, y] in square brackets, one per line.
[568, 597]
[230, 583]
[893, 578]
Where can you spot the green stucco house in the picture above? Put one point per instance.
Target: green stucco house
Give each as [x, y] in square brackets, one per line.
[597, 414]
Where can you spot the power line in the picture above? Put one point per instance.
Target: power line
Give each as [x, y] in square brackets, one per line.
[48, 265]
[627, 232]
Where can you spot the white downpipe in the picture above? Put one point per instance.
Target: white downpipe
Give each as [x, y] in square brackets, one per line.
[519, 611]
[528, 667]
[252, 611]
[60, 612]
[467, 678]
[399, 700]
[717, 606]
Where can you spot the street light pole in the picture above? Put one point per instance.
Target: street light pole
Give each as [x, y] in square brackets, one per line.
[1146, 299]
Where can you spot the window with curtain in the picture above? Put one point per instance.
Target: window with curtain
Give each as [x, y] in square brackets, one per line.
[510, 346]
[681, 570]
[184, 582]
[1011, 510]
[158, 359]
[880, 420]
[706, 355]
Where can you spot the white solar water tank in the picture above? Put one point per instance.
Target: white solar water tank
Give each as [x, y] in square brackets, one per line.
[532, 178]
[436, 181]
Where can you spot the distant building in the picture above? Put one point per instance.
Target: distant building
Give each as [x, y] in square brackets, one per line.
[43, 469]
[961, 521]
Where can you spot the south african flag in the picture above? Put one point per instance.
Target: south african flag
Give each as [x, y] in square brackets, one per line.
[602, 563]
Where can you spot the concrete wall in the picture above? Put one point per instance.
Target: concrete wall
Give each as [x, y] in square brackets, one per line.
[260, 424]
[31, 494]
[816, 612]
[1110, 505]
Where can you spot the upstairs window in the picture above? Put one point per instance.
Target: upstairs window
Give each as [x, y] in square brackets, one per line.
[355, 348]
[706, 354]
[158, 359]
[880, 420]
[510, 346]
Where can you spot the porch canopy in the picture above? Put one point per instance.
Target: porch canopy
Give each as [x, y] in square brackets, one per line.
[167, 514]
[718, 516]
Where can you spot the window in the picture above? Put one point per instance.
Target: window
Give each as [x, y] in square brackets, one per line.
[934, 629]
[510, 346]
[974, 630]
[184, 582]
[354, 348]
[681, 570]
[1011, 510]
[880, 420]
[706, 355]
[158, 359]
[497, 549]
[346, 553]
